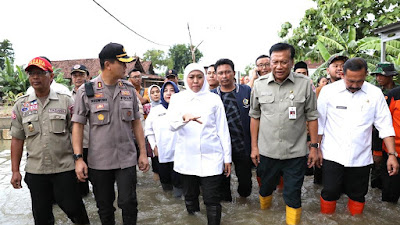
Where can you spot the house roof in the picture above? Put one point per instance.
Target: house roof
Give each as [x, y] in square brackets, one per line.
[93, 66]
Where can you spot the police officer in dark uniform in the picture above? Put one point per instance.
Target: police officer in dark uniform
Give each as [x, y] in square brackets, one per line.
[110, 104]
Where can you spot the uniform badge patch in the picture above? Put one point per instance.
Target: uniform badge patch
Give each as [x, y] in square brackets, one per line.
[125, 93]
[31, 128]
[245, 101]
[100, 117]
[100, 106]
[99, 84]
[120, 84]
[13, 115]
[99, 95]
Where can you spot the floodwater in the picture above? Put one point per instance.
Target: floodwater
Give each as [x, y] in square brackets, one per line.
[158, 207]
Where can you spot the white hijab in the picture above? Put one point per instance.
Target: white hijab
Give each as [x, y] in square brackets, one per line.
[152, 102]
[204, 89]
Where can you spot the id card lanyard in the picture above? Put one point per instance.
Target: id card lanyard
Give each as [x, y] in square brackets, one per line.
[292, 108]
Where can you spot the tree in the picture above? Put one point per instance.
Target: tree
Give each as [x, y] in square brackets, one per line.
[13, 83]
[180, 56]
[157, 57]
[6, 51]
[364, 15]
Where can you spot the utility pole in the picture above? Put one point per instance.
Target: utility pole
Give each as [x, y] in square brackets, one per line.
[191, 45]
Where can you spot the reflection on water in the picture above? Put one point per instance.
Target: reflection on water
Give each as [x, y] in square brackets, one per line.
[158, 207]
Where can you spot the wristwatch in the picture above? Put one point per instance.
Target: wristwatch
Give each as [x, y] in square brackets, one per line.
[314, 145]
[77, 156]
[393, 153]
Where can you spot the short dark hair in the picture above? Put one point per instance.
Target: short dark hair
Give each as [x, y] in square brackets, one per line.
[282, 47]
[134, 70]
[355, 64]
[102, 61]
[262, 56]
[212, 65]
[224, 62]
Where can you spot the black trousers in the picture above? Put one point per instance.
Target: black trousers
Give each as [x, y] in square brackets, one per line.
[292, 170]
[155, 164]
[209, 185]
[243, 166]
[61, 187]
[84, 186]
[338, 179]
[104, 193]
[390, 184]
[168, 175]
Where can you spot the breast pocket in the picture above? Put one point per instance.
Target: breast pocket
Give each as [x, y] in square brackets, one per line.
[31, 125]
[58, 123]
[127, 111]
[100, 114]
[299, 103]
[367, 115]
[266, 103]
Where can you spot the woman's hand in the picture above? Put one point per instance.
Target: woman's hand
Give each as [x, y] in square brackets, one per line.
[189, 117]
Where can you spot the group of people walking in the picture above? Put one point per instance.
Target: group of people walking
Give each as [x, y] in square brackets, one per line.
[198, 135]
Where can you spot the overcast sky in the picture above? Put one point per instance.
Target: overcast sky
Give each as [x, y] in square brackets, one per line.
[75, 29]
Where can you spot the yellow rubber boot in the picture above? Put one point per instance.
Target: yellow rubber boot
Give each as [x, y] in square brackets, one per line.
[265, 202]
[293, 215]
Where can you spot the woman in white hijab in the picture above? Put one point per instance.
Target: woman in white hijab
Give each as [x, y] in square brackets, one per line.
[203, 145]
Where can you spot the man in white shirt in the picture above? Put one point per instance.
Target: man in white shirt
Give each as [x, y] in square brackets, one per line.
[348, 108]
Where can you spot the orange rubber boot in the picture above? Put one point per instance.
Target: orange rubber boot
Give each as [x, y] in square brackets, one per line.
[355, 207]
[327, 207]
[265, 202]
[259, 181]
[280, 185]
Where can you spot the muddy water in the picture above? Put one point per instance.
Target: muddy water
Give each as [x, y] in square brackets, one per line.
[157, 207]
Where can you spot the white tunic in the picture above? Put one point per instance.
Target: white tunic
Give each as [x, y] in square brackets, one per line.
[346, 119]
[158, 133]
[201, 149]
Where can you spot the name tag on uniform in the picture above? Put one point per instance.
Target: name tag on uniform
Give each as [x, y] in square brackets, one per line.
[341, 107]
[292, 113]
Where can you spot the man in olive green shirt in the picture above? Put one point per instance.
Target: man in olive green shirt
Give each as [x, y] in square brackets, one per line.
[43, 119]
[281, 103]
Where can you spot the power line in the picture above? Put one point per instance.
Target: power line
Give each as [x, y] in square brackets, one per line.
[127, 26]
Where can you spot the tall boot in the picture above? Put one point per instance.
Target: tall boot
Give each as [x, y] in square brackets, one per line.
[214, 214]
[265, 202]
[166, 187]
[279, 187]
[259, 181]
[327, 207]
[192, 206]
[292, 215]
[355, 207]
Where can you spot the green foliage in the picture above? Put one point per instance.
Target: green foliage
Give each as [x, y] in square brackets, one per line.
[248, 68]
[157, 58]
[6, 51]
[180, 56]
[59, 77]
[356, 18]
[13, 82]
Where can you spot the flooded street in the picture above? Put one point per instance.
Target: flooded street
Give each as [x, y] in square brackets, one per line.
[158, 207]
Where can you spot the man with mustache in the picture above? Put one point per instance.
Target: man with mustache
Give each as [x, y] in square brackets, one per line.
[347, 110]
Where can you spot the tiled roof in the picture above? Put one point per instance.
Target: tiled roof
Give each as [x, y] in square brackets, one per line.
[93, 65]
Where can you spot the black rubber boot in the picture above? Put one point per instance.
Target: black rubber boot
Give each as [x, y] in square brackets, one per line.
[167, 187]
[214, 214]
[192, 206]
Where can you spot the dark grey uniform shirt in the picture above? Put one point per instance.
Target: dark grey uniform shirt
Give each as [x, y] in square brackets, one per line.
[110, 115]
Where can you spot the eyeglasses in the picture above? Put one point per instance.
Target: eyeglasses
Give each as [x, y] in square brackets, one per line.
[136, 77]
[38, 72]
[263, 65]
